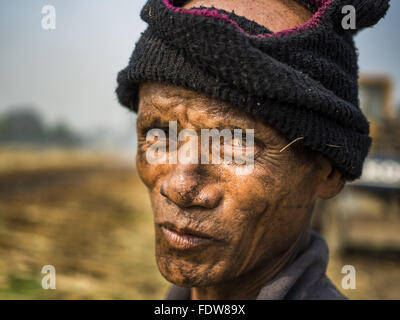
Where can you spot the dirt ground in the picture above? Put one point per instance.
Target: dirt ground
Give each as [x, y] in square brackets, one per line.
[89, 216]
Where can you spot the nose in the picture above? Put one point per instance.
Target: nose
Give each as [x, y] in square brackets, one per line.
[187, 187]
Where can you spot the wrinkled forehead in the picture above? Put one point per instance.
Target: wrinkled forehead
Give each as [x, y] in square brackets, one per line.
[168, 99]
[162, 102]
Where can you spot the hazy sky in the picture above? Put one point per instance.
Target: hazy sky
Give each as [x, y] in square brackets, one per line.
[69, 73]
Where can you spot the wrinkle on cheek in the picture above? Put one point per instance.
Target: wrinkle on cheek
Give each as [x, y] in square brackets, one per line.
[288, 177]
[278, 193]
[264, 240]
[267, 181]
[251, 199]
[250, 246]
[274, 164]
[148, 173]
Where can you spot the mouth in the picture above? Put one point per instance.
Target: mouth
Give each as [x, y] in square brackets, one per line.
[184, 238]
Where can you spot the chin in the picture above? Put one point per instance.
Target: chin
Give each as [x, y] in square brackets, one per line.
[185, 273]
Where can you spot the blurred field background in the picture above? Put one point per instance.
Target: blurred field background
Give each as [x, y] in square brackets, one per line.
[87, 214]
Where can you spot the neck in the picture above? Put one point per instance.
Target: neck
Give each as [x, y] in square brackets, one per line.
[250, 283]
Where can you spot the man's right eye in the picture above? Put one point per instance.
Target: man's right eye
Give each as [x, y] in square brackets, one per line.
[146, 130]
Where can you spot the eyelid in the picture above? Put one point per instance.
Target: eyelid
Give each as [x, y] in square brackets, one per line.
[148, 124]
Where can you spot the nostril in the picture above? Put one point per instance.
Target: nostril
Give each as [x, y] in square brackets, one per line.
[209, 197]
[187, 192]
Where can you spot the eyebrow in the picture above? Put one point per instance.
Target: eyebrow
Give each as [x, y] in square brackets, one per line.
[146, 123]
[235, 121]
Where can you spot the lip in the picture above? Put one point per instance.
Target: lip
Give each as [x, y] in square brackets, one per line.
[184, 238]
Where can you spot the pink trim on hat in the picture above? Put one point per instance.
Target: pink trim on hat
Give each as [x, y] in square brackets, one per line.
[322, 5]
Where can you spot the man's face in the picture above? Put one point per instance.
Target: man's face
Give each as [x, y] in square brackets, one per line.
[211, 223]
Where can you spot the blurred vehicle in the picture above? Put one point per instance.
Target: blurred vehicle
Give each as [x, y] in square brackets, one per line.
[366, 215]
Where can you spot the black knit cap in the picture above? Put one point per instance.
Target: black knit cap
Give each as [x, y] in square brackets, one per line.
[301, 80]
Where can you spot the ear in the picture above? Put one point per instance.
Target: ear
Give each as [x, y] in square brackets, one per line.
[331, 181]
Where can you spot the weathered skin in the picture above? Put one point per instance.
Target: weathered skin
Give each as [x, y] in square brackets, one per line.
[258, 219]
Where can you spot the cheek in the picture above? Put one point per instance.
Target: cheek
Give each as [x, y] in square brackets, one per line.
[247, 204]
[264, 203]
[250, 194]
[268, 212]
[290, 198]
[149, 173]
